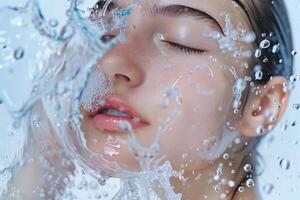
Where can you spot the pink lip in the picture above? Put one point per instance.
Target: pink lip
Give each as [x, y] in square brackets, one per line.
[112, 123]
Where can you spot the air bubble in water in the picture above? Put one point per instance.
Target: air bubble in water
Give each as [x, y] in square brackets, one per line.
[264, 44]
[294, 52]
[19, 53]
[247, 167]
[284, 164]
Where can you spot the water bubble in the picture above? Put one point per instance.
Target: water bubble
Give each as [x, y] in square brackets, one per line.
[294, 52]
[264, 44]
[258, 73]
[284, 164]
[265, 60]
[105, 194]
[247, 167]
[275, 48]
[250, 37]
[231, 183]
[259, 130]
[19, 53]
[257, 53]
[295, 106]
[241, 189]
[250, 183]
[226, 156]
[53, 22]
[267, 188]
[223, 196]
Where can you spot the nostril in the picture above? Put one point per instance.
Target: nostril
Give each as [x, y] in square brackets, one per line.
[122, 77]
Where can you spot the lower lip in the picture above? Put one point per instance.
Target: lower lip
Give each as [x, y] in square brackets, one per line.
[112, 123]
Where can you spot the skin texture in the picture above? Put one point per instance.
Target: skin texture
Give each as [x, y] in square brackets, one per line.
[144, 65]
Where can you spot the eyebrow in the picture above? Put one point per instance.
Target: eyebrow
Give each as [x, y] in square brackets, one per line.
[184, 11]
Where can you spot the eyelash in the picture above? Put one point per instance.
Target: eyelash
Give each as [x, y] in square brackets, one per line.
[184, 49]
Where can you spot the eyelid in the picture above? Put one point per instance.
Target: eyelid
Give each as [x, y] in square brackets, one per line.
[185, 49]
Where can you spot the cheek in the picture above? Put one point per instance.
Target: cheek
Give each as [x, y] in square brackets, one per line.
[205, 102]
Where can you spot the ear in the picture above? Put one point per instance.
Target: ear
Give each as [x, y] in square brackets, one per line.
[264, 108]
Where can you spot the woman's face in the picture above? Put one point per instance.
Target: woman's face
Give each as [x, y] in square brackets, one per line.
[170, 61]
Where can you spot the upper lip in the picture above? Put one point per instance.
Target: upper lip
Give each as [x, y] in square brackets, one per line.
[117, 103]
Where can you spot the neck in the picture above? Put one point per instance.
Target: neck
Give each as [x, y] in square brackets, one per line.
[219, 181]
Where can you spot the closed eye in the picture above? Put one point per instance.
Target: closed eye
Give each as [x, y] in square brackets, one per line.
[183, 48]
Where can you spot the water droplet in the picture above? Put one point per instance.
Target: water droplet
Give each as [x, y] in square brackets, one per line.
[226, 156]
[250, 37]
[295, 106]
[223, 196]
[294, 52]
[258, 75]
[264, 44]
[275, 48]
[11, 133]
[257, 53]
[267, 188]
[105, 194]
[102, 181]
[53, 22]
[184, 156]
[284, 164]
[259, 130]
[250, 183]
[231, 183]
[19, 53]
[247, 167]
[241, 189]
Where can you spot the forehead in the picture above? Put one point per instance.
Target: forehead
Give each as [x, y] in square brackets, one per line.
[211, 7]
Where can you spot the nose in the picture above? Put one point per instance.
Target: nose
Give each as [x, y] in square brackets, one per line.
[122, 66]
